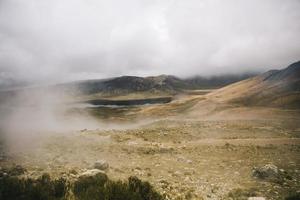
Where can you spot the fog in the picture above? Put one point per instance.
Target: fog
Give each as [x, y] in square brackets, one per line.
[29, 116]
[63, 40]
[54, 41]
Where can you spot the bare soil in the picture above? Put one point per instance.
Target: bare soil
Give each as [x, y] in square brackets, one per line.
[192, 148]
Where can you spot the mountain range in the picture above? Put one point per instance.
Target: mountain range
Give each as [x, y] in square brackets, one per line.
[152, 84]
[278, 88]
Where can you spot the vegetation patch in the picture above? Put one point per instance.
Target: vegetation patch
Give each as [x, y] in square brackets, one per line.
[97, 187]
[43, 188]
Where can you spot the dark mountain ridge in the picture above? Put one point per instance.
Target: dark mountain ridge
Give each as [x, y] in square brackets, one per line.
[153, 84]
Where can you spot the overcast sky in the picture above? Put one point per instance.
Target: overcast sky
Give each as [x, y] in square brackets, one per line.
[62, 40]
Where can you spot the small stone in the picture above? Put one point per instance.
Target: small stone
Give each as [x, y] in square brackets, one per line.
[101, 164]
[177, 173]
[189, 161]
[92, 172]
[256, 198]
[236, 173]
[281, 170]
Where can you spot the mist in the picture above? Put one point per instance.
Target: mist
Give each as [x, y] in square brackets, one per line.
[48, 42]
[29, 116]
[54, 41]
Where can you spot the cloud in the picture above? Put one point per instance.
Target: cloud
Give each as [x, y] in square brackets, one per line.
[63, 40]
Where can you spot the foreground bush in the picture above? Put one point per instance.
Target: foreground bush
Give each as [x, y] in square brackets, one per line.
[43, 188]
[97, 187]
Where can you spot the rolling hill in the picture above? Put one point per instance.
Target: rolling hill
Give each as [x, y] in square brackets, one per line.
[278, 88]
[163, 84]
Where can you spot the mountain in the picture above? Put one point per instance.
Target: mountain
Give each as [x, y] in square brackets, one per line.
[200, 82]
[279, 88]
[127, 84]
[124, 85]
[153, 84]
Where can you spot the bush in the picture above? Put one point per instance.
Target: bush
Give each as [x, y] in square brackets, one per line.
[99, 187]
[43, 188]
[294, 196]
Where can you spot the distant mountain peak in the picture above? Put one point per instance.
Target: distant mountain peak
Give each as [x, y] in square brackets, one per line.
[291, 72]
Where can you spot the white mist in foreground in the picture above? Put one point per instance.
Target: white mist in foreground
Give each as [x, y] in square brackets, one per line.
[32, 115]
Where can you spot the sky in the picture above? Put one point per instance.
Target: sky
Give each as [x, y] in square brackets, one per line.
[49, 41]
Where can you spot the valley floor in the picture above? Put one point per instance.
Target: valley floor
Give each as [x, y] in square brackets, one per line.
[209, 151]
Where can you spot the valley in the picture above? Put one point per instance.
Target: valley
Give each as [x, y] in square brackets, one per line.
[192, 144]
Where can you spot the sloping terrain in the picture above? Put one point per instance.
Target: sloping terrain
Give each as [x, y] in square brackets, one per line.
[154, 85]
[201, 82]
[126, 85]
[278, 88]
[198, 146]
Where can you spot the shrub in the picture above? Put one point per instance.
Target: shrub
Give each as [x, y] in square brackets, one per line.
[43, 188]
[99, 187]
[294, 196]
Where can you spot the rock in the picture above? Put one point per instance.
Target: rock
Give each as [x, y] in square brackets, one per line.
[177, 173]
[101, 164]
[256, 198]
[236, 173]
[189, 161]
[268, 171]
[92, 172]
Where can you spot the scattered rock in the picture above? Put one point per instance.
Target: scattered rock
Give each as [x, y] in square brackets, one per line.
[189, 161]
[268, 171]
[177, 173]
[101, 165]
[92, 172]
[256, 198]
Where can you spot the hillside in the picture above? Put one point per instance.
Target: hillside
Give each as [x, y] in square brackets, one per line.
[163, 84]
[279, 88]
[202, 82]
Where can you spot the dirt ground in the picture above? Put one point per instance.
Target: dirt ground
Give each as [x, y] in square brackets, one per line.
[202, 151]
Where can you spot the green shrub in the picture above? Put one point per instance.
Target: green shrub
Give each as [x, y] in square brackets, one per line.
[90, 187]
[99, 187]
[294, 196]
[43, 188]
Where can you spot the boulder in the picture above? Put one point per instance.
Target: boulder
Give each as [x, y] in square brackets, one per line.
[101, 165]
[268, 171]
[92, 172]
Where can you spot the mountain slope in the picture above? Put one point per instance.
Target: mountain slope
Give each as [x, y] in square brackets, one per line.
[128, 84]
[201, 82]
[153, 84]
[273, 88]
